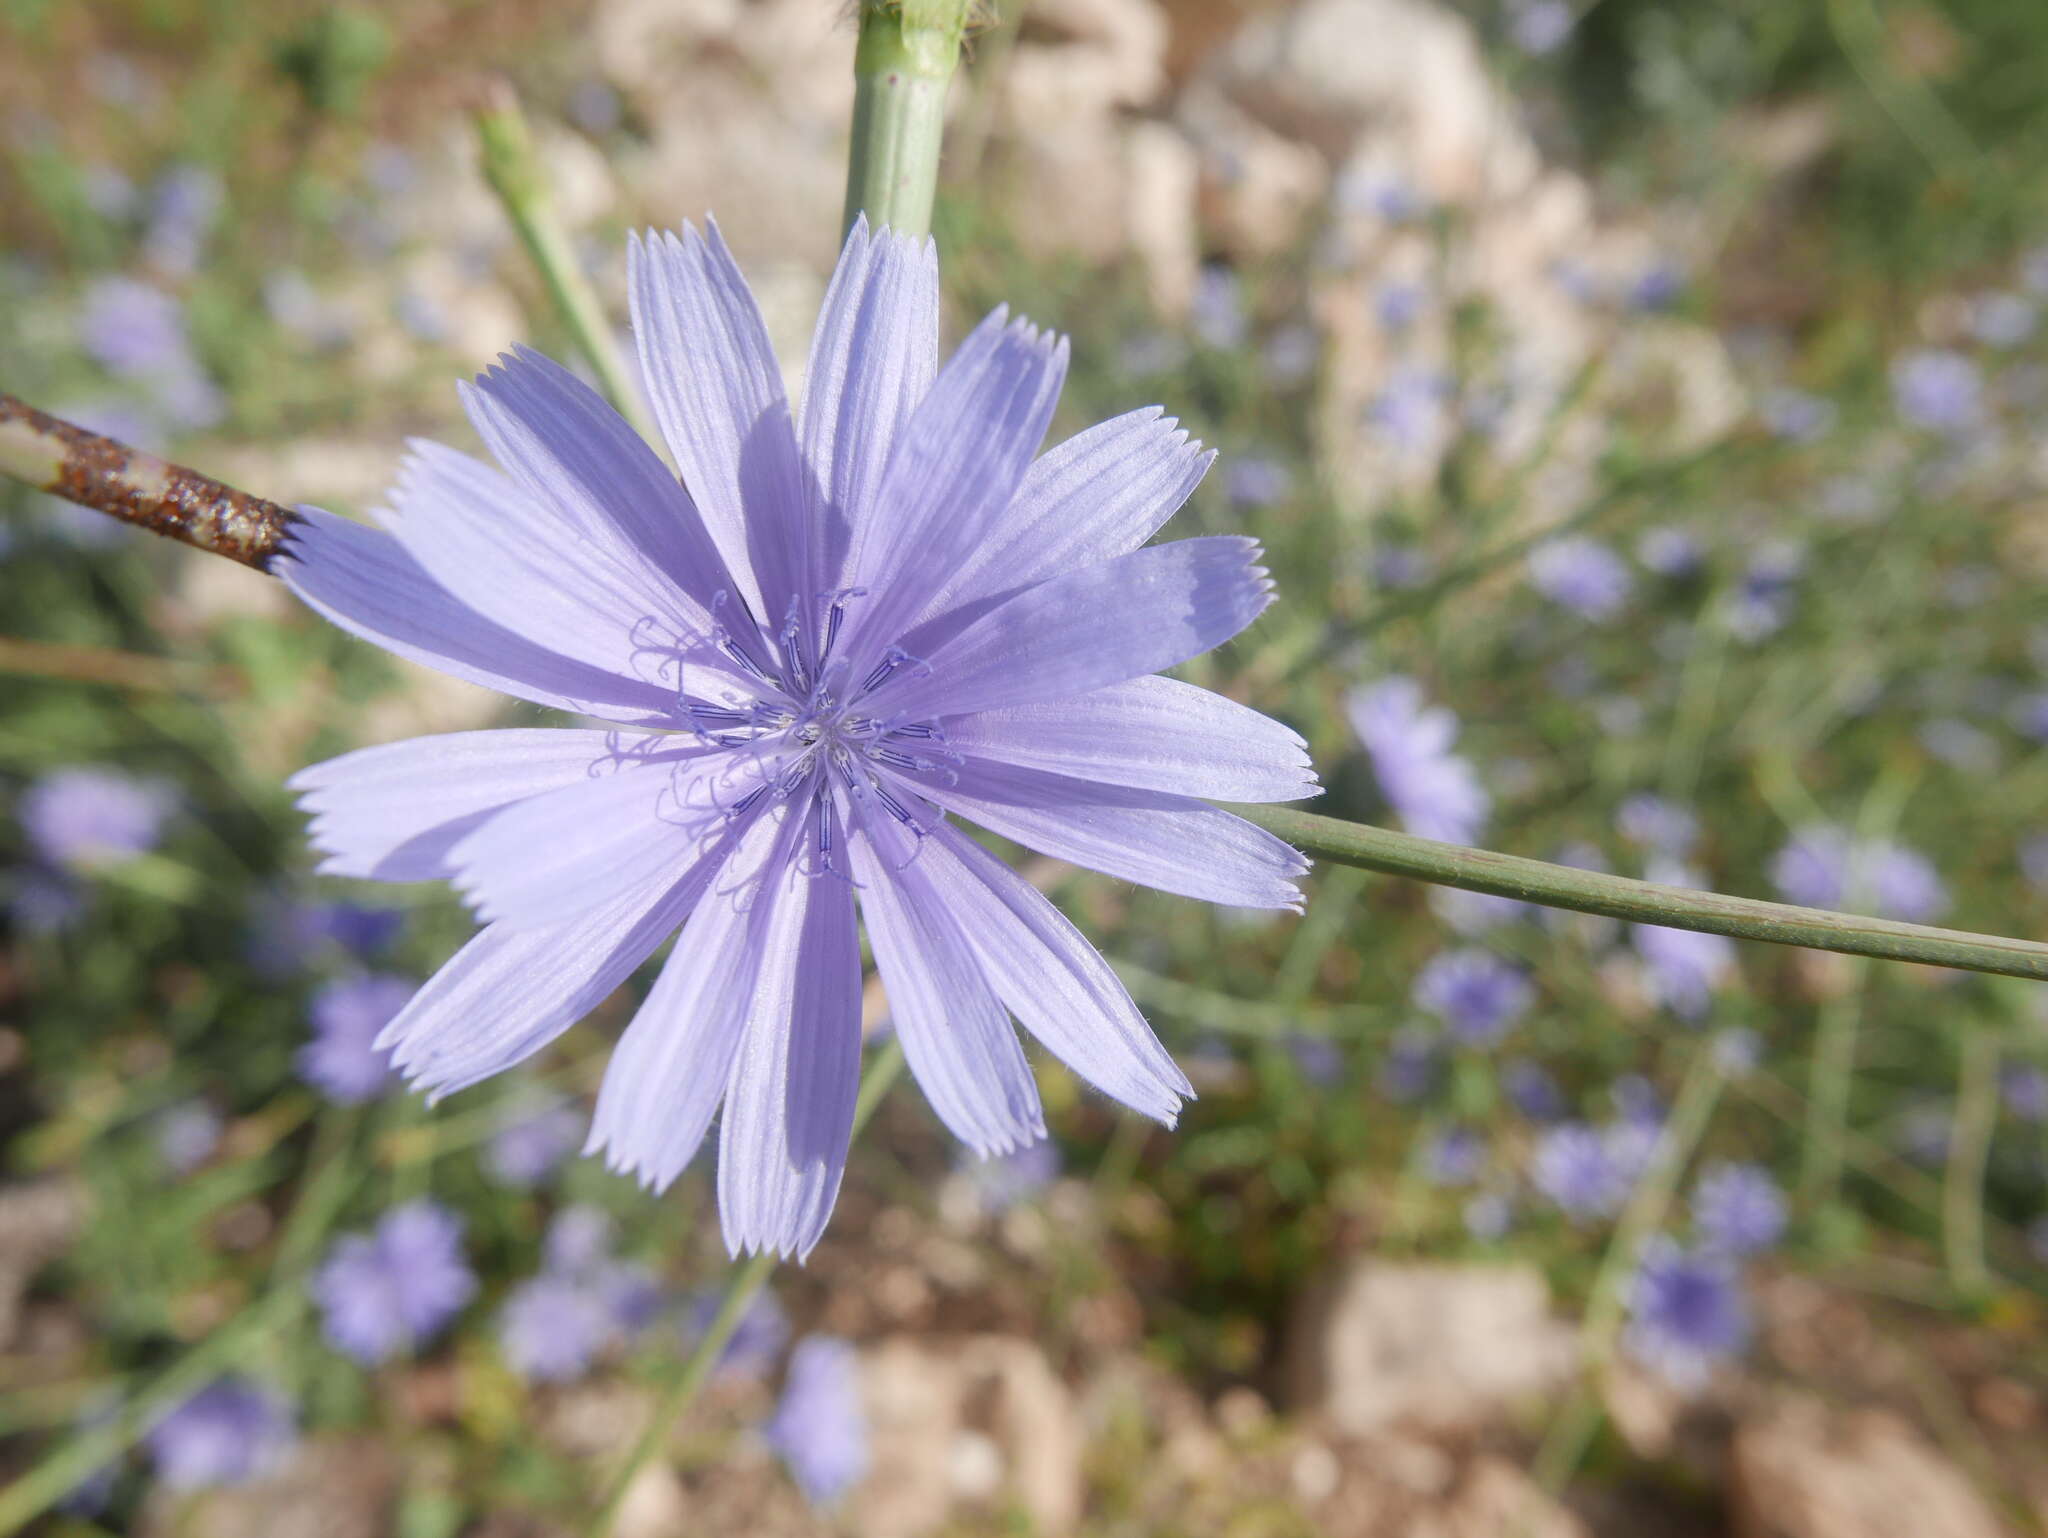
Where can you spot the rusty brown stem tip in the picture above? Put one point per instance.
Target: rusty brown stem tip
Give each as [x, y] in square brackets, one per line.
[56, 456]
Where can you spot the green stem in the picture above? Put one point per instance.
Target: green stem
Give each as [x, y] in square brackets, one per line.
[901, 68]
[1644, 902]
[85, 1453]
[1828, 1085]
[1645, 1213]
[517, 177]
[1969, 1155]
[749, 1279]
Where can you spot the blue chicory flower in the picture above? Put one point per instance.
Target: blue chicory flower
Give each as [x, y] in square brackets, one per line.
[85, 819]
[186, 1136]
[1477, 996]
[1413, 1063]
[1575, 1167]
[1686, 1313]
[533, 1140]
[552, 1328]
[1738, 1209]
[1824, 866]
[230, 1432]
[756, 1340]
[1939, 390]
[820, 1427]
[779, 636]
[1656, 824]
[1453, 1156]
[343, 1060]
[1796, 416]
[1582, 575]
[1007, 1180]
[1434, 791]
[1531, 1090]
[392, 1290]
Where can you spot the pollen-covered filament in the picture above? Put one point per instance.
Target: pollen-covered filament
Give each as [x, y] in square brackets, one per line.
[800, 735]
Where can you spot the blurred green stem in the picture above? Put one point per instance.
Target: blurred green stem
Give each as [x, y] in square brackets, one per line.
[902, 66]
[1644, 902]
[746, 1281]
[1647, 1208]
[513, 168]
[1828, 1084]
[1969, 1156]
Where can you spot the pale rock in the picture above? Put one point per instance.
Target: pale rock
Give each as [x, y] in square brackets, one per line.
[961, 1424]
[1258, 186]
[330, 1487]
[38, 1221]
[1493, 1500]
[1427, 1347]
[1159, 214]
[1803, 1470]
[655, 1505]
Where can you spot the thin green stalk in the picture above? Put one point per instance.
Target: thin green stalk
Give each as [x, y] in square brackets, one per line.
[1969, 1155]
[1648, 1206]
[517, 177]
[85, 1453]
[1644, 902]
[751, 1276]
[902, 66]
[1829, 1081]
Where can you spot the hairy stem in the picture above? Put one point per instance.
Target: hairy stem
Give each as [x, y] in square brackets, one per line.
[1644, 902]
[56, 456]
[516, 175]
[901, 69]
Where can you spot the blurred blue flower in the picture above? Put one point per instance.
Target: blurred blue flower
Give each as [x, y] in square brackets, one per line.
[393, 1289]
[1762, 600]
[1409, 412]
[1216, 314]
[1453, 1156]
[228, 1433]
[1657, 287]
[552, 1328]
[2033, 856]
[1652, 822]
[294, 934]
[186, 1136]
[1686, 1313]
[1825, 867]
[1539, 27]
[1254, 481]
[1489, 1215]
[1290, 353]
[1738, 1209]
[2024, 1088]
[585, 1300]
[1006, 1180]
[757, 1340]
[85, 819]
[44, 901]
[1737, 1050]
[132, 329]
[1582, 575]
[1574, 1167]
[535, 1137]
[1531, 1090]
[820, 1429]
[184, 205]
[1636, 1101]
[1316, 1058]
[1963, 747]
[1477, 996]
[1938, 389]
[1796, 415]
[1411, 1067]
[1670, 552]
[1435, 792]
[595, 107]
[2003, 319]
[342, 1060]
[1399, 305]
